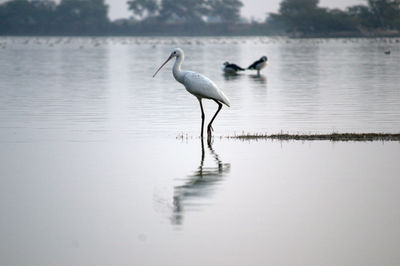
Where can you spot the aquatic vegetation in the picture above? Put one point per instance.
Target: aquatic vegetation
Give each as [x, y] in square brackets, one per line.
[331, 137]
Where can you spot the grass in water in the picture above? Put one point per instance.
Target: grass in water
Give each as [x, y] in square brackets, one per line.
[331, 136]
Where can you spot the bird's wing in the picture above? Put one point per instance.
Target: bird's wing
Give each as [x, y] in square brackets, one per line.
[235, 67]
[203, 87]
[253, 66]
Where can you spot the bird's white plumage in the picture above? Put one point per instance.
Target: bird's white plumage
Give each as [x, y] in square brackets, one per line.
[261, 65]
[198, 85]
[228, 69]
[203, 87]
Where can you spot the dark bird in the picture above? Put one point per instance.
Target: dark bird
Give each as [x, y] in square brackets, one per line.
[259, 64]
[231, 68]
[387, 51]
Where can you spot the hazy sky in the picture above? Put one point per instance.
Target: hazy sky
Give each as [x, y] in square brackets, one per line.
[252, 8]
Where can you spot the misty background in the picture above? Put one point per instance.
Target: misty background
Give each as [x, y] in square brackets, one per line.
[252, 9]
[308, 18]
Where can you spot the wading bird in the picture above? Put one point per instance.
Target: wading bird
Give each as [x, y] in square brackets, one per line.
[259, 64]
[231, 68]
[198, 85]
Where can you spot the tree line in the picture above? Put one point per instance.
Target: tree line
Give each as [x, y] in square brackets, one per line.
[186, 11]
[306, 17]
[45, 17]
[193, 17]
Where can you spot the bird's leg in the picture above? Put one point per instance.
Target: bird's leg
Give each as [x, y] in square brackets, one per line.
[202, 117]
[209, 127]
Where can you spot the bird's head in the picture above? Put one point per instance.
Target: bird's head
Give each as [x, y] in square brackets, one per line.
[226, 63]
[177, 52]
[264, 58]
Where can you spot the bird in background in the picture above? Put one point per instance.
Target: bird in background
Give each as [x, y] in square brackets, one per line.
[259, 64]
[198, 85]
[231, 68]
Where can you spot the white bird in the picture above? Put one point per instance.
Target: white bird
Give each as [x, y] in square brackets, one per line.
[259, 64]
[198, 85]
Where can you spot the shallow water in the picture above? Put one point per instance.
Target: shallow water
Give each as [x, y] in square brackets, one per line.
[92, 173]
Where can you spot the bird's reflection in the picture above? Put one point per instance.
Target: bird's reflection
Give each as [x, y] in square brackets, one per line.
[199, 185]
[231, 76]
[259, 79]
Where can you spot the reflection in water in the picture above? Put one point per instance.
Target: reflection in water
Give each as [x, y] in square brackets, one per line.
[231, 76]
[198, 185]
[259, 79]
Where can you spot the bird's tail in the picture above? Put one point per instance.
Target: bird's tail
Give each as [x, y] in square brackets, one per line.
[225, 99]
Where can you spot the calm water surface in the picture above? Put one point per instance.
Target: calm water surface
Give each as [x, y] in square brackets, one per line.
[92, 173]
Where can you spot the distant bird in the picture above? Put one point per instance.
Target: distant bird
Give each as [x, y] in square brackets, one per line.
[387, 51]
[198, 85]
[231, 68]
[259, 64]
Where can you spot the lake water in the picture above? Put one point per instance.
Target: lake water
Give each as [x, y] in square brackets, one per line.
[101, 164]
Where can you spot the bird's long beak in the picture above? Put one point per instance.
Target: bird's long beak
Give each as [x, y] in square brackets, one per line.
[169, 58]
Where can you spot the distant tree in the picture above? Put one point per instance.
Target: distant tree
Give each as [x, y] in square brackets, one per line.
[362, 16]
[337, 20]
[378, 14]
[15, 15]
[385, 12]
[23, 16]
[186, 11]
[44, 15]
[82, 16]
[225, 10]
[305, 16]
[300, 15]
[297, 7]
[144, 8]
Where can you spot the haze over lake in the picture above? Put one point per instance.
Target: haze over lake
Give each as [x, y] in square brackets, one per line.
[92, 171]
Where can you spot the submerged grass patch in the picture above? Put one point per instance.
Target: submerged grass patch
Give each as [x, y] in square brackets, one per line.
[332, 136]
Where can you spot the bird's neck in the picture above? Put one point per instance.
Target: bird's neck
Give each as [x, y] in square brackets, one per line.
[176, 70]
